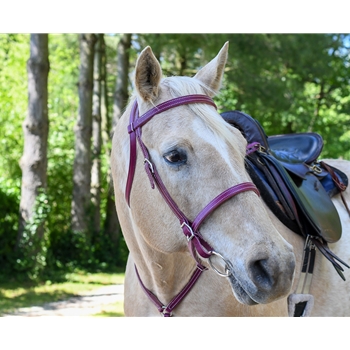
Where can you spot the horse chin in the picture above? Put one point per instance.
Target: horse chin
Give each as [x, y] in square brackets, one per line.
[241, 295]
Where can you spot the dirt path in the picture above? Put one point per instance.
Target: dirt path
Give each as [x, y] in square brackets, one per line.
[83, 305]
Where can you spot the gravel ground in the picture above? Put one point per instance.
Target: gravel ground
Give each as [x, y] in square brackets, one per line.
[83, 305]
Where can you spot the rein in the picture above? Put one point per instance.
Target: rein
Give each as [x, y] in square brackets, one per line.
[196, 243]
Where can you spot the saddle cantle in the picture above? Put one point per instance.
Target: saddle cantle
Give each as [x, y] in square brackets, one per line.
[296, 187]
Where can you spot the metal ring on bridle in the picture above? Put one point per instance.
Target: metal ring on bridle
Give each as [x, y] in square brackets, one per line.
[227, 271]
[190, 229]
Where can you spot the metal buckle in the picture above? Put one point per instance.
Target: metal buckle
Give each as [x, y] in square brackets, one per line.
[262, 149]
[150, 164]
[315, 168]
[227, 271]
[190, 229]
[166, 313]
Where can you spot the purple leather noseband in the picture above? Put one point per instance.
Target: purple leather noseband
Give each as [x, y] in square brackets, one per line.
[197, 245]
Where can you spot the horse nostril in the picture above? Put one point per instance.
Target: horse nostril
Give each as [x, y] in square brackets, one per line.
[260, 274]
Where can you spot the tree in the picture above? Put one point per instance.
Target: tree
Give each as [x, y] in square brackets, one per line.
[96, 137]
[121, 96]
[34, 160]
[290, 83]
[14, 54]
[82, 161]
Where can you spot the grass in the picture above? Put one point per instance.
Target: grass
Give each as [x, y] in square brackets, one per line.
[14, 294]
[112, 310]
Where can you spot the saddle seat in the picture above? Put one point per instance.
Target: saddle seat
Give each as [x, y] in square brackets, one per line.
[295, 151]
[293, 183]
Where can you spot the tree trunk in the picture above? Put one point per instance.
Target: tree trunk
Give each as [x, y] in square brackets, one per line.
[96, 138]
[35, 127]
[121, 95]
[105, 122]
[82, 160]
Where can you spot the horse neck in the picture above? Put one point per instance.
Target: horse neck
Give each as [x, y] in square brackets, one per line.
[165, 274]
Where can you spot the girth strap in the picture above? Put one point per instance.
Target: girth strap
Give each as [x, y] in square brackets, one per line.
[339, 184]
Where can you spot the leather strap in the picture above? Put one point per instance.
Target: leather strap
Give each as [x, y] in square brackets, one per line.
[178, 101]
[338, 183]
[221, 198]
[166, 310]
[137, 122]
[133, 154]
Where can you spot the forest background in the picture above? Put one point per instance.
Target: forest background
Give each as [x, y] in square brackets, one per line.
[288, 82]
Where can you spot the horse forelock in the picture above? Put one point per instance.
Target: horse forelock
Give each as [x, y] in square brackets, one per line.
[182, 86]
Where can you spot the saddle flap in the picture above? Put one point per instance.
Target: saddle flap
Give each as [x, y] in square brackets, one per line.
[313, 201]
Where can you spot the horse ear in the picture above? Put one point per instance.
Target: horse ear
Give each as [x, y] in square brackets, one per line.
[212, 73]
[147, 75]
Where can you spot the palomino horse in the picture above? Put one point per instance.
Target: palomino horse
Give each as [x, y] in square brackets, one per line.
[202, 242]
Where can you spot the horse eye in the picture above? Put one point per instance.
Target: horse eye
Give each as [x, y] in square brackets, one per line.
[176, 157]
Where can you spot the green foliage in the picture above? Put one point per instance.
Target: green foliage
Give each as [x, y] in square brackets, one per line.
[14, 52]
[9, 205]
[25, 255]
[58, 248]
[32, 246]
[290, 83]
[76, 250]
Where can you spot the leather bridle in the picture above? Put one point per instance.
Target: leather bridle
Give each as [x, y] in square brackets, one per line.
[196, 243]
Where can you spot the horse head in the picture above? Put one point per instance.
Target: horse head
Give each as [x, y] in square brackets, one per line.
[198, 156]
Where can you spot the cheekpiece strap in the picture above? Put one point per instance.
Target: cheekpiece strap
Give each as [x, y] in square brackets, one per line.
[137, 122]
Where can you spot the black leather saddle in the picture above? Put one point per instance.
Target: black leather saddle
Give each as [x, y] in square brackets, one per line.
[293, 183]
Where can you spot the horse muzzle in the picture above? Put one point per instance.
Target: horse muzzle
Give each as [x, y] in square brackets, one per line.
[263, 280]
